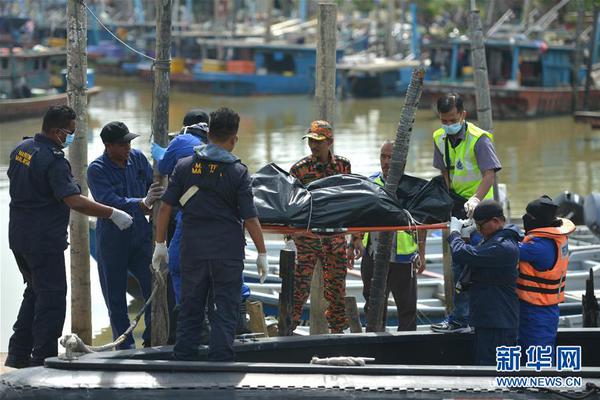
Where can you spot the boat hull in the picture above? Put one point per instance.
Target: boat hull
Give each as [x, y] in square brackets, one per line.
[35, 106]
[507, 103]
[407, 365]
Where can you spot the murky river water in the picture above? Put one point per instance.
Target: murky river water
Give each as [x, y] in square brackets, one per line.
[538, 156]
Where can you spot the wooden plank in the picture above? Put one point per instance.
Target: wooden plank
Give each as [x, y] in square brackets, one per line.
[287, 262]
[352, 315]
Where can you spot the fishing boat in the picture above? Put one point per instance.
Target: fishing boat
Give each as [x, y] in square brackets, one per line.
[31, 80]
[376, 77]
[251, 67]
[402, 365]
[588, 117]
[528, 78]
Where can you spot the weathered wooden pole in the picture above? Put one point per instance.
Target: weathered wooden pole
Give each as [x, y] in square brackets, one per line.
[390, 45]
[480, 73]
[286, 296]
[590, 61]
[352, 314]
[81, 303]
[325, 103]
[326, 51]
[160, 128]
[377, 298]
[268, 21]
[577, 61]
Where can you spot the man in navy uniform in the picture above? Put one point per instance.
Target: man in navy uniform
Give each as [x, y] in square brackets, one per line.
[493, 274]
[214, 191]
[122, 178]
[193, 133]
[42, 191]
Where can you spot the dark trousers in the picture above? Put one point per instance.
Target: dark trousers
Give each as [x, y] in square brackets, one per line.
[402, 283]
[222, 281]
[486, 341]
[42, 314]
[115, 262]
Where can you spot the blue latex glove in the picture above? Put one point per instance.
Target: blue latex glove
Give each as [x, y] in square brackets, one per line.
[158, 152]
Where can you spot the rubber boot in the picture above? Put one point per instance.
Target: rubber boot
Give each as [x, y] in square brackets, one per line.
[242, 323]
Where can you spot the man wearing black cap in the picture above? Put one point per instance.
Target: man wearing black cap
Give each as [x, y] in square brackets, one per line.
[544, 256]
[42, 193]
[122, 178]
[493, 268]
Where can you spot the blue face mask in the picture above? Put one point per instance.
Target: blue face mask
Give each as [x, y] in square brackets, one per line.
[452, 129]
[69, 139]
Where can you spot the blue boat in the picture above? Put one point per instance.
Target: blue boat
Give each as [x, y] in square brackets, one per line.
[246, 68]
[528, 78]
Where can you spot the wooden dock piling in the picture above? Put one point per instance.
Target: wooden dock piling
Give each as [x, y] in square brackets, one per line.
[287, 262]
[81, 301]
[160, 129]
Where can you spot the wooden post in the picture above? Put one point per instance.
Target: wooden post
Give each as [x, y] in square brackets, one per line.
[268, 21]
[326, 52]
[390, 47]
[325, 103]
[81, 303]
[588, 74]
[318, 305]
[160, 128]
[378, 298]
[480, 79]
[257, 322]
[352, 315]
[577, 61]
[287, 262]
[448, 274]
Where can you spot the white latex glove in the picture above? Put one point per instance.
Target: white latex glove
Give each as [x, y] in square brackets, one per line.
[161, 254]
[470, 206]
[155, 192]
[262, 266]
[290, 245]
[455, 225]
[121, 219]
[468, 228]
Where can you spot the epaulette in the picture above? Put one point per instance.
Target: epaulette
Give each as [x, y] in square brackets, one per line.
[301, 162]
[342, 158]
[58, 153]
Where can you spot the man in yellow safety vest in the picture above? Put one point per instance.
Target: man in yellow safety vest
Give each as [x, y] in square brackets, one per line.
[407, 259]
[466, 157]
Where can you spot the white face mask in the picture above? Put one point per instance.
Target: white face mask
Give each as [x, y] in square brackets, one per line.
[452, 129]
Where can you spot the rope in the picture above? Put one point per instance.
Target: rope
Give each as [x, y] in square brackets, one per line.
[115, 36]
[75, 347]
[348, 361]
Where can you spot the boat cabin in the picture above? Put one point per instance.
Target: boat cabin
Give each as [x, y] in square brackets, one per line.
[22, 71]
[510, 62]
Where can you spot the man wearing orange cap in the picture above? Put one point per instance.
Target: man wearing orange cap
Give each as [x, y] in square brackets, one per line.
[333, 253]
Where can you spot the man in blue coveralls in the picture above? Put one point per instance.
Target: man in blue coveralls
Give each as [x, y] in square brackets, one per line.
[193, 133]
[122, 178]
[214, 190]
[42, 191]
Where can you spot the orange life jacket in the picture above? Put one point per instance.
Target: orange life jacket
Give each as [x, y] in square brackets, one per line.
[545, 288]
